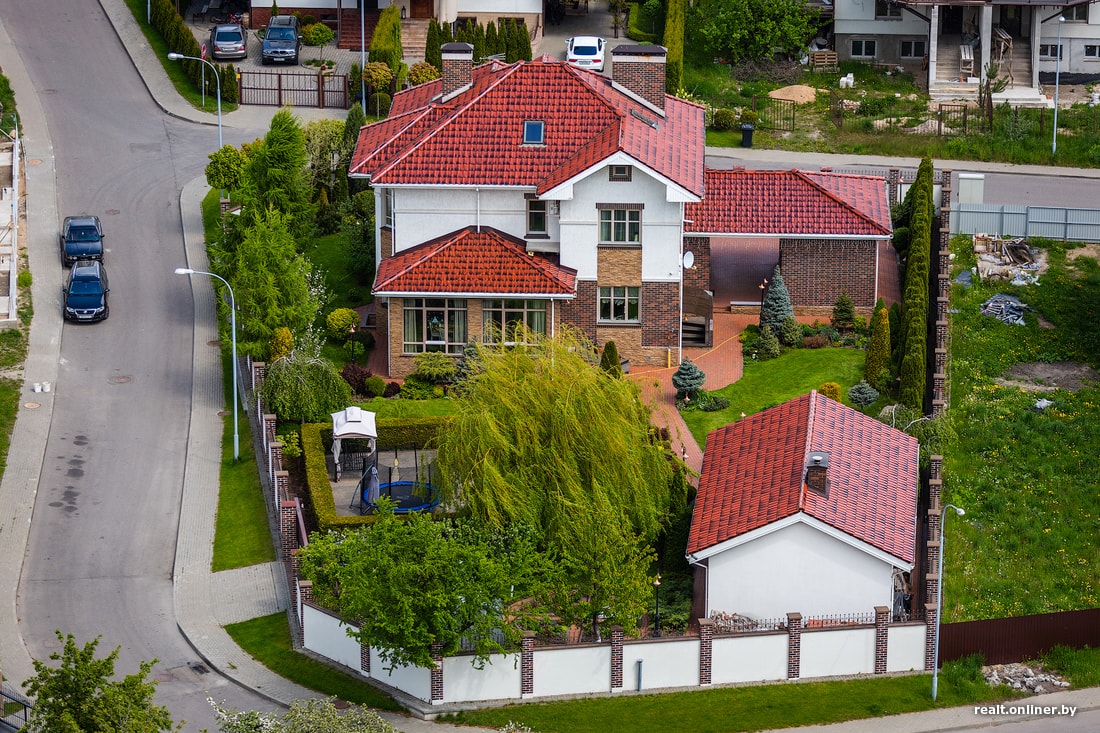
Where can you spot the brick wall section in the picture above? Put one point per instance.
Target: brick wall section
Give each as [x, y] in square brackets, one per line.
[437, 673]
[581, 311]
[385, 242]
[794, 645]
[364, 658]
[276, 459]
[882, 636]
[282, 485]
[699, 275]
[269, 428]
[619, 265]
[527, 665]
[893, 177]
[305, 587]
[931, 577]
[617, 635]
[815, 271]
[706, 650]
[288, 529]
[929, 636]
[641, 69]
[458, 64]
[660, 314]
[259, 369]
[292, 581]
[401, 365]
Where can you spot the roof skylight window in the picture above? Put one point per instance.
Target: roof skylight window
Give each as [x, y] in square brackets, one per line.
[534, 132]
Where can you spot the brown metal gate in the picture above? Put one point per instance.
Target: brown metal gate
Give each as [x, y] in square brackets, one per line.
[297, 90]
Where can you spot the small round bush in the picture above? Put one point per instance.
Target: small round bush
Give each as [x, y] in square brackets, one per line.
[392, 390]
[422, 72]
[317, 34]
[24, 280]
[379, 103]
[830, 390]
[725, 119]
[374, 386]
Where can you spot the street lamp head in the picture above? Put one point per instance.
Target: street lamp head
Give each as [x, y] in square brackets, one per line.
[173, 56]
[959, 511]
[184, 271]
[657, 580]
[1061, 19]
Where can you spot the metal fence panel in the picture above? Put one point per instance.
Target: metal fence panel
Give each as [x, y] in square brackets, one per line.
[275, 89]
[1051, 222]
[1014, 639]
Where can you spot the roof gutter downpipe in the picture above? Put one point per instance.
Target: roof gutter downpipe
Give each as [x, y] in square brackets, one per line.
[693, 560]
[477, 195]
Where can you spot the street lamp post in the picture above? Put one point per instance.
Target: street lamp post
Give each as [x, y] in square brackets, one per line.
[763, 289]
[1057, 77]
[173, 56]
[233, 360]
[939, 596]
[657, 600]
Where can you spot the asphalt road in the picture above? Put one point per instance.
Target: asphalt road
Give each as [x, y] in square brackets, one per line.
[102, 541]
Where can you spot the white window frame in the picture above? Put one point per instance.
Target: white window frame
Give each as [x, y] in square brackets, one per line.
[422, 316]
[499, 316]
[622, 301]
[619, 173]
[387, 207]
[863, 43]
[538, 208]
[620, 226]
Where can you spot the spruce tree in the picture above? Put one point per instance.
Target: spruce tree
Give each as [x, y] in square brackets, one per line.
[767, 346]
[876, 368]
[609, 360]
[790, 333]
[777, 303]
[844, 312]
[862, 394]
[688, 380]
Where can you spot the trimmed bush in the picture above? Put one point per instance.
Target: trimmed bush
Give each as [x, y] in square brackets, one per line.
[422, 72]
[817, 341]
[392, 390]
[674, 42]
[830, 390]
[767, 345]
[725, 119]
[374, 386]
[876, 368]
[379, 103]
[385, 43]
[610, 361]
[790, 333]
[844, 312]
[317, 34]
[401, 432]
[317, 480]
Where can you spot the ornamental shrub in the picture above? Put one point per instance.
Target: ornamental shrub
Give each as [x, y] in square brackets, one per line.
[392, 390]
[422, 72]
[725, 119]
[282, 343]
[317, 34]
[790, 333]
[379, 104]
[610, 361]
[862, 394]
[876, 368]
[374, 386]
[777, 303]
[830, 390]
[434, 367]
[688, 379]
[339, 322]
[356, 376]
[767, 346]
[844, 312]
[817, 341]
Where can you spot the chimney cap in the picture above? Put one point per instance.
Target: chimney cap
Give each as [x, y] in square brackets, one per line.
[639, 49]
[818, 458]
[458, 47]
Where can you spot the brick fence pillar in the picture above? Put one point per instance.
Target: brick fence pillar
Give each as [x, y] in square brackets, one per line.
[258, 371]
[706, 650]
[282, 485]
[882, 637]
[288, 528]
[364, 658]
[269, 429]
[893, 178]
[929, 636]
[294, 574]
[527, 665]
[305, 587]
[617, 658]
[794, 644]
[437, 673]
[275, 464]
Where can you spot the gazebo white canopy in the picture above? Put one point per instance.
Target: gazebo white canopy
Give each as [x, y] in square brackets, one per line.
[351, 422]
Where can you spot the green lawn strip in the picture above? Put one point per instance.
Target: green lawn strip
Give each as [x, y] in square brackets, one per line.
[733, 709]
[183, 84]
[1028, 479]
[772, 382]
[1080, 666]
[329, 253]
[267, 639]
[10, 393]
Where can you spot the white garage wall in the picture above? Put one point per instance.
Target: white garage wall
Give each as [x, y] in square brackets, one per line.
[574, 671]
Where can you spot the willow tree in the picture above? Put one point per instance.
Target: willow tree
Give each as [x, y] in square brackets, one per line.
[541, 435]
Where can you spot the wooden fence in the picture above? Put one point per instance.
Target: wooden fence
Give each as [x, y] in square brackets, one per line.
[297, 90]
[1014, 639]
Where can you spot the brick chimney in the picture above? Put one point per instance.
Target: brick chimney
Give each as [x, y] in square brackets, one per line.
[641, 69]
[817, 473]
[458, 66]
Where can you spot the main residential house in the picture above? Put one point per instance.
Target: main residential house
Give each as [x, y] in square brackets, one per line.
[533, 193]
[806, 507]
[954, 42]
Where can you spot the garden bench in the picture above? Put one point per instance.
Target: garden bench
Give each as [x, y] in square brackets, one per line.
[966, 62]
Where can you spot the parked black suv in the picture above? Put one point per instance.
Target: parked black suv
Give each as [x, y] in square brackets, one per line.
[282, 40]
[85, 295]
[81, 239]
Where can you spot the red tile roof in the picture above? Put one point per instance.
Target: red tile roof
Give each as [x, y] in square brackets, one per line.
[753, 476]
[793, 202]
[471, 262]
[476, 138]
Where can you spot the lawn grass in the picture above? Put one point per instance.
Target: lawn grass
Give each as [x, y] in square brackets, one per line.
[183, 84]
[329, 253]
[750, 708]
[267, 639]
[1028, 479]
[242, 534]
[772, 382]
[1080, 666]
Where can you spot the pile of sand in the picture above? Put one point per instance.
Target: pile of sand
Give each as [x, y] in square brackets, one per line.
[797, 93]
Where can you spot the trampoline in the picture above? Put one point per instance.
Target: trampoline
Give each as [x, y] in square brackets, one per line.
[406, 496]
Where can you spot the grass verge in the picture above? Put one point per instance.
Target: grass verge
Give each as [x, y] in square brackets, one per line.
[772, 382]
[761, 707]
[1080, 666]
[267, 639]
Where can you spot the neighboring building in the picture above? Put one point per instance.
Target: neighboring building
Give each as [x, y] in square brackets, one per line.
[953, 42]
[807, 507]
[537, 193]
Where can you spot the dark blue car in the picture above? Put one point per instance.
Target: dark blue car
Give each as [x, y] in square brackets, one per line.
[81, 239]
[85, 295]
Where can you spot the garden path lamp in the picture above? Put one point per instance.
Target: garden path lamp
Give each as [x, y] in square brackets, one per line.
[233, 327]
[657, 600]
[1057, 76]
[939, 596]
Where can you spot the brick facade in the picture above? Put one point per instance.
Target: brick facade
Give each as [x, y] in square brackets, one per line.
[581, 311]
[305, 588]
[882, 637]
[458, 64]
[437, 673]
[527, 665]
[699, 274]
[617, 635]
[288, 528]
[364, 658]
[706, 650]
[385, 242]
[660, 314]
[259, 369]
[815, 271]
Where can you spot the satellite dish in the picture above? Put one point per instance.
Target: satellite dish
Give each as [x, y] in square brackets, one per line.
[689, 260]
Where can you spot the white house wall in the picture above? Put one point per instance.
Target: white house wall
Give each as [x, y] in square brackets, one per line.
[830, 653]
[421, 214]
[327, 636]
[499, 7]
[857, 18]
[498, 680]
[661, 224]
[821, 575]
[663, 664]
[905, 647]
[1075, 36]
[574, 671]
[749, 658]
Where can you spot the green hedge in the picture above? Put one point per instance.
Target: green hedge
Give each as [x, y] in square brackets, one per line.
[674, 42]
[181, 40]
[385, 42]
[400, 432]
[633, 27]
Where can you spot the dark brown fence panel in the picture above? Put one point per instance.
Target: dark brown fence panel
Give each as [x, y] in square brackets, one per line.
[297, 90]
[1003, 640]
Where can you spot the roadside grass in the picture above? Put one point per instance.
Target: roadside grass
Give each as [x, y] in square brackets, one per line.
[242, 534]
[772, 382]
[11, 390]
[1080, 666]
[183, 84]
[748, 708]
[1028, 478]
[267, 639]
[7, 102]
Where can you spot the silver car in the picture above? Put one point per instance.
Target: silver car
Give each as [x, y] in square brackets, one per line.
[228, 41]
